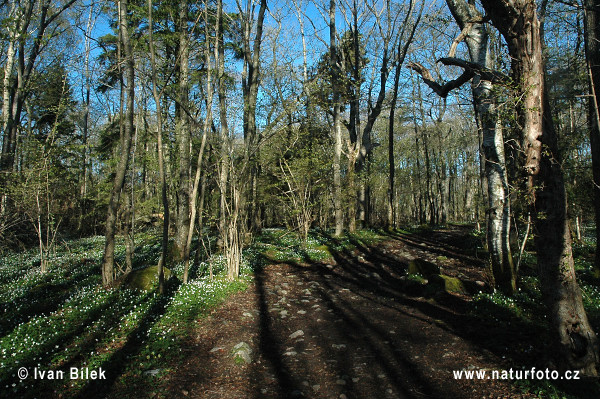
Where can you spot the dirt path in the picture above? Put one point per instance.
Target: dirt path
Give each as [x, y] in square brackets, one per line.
[343, 329]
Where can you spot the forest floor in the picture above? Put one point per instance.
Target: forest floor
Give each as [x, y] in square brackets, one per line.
[353, 326]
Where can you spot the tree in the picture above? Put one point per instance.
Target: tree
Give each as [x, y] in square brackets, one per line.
[26, 52]
[161, 159]
[575, 342]
[108, 260]
[208, 120]
[182, 130]
[473, 32]
[336, 126]
[592, 53]
[402, 50]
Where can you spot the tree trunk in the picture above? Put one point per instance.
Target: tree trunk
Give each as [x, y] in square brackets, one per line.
[592, 52]
[337, 128]
[575, 342]
[250, 85]
[484, 102]
[224, 129]
[161, 158]
[182, 225]
[206, 128]
[115, 195]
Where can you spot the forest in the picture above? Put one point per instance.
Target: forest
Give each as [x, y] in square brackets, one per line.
[299, 198]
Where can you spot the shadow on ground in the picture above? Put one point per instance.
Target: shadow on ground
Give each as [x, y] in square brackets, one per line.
[366, 335]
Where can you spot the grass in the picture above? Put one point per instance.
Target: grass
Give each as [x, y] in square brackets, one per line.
[279, 245]
[63, 318]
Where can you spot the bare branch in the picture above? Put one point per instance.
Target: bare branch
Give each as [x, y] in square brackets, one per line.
[441, 90]
[463, 34]
[485, 73]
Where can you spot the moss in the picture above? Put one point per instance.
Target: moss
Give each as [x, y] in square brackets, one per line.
[422, 267]
[143, 279]
[448, 284]
[325, 249]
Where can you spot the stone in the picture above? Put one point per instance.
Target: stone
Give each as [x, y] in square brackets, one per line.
[296, 334]
[144, 279]
[442, 283]
[153, 373]
[242, 353]
[422, 267]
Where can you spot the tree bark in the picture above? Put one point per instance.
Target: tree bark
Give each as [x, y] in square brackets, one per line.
[115, 195]
[161, 158]
[183, 136]
[470, 22]
[575, 342]
[337, 128]
[592, 52]
[206, 127]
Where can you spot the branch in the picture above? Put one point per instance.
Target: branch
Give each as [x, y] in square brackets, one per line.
[463, 34]
[471, 69]
[476, 69]
[442, 91]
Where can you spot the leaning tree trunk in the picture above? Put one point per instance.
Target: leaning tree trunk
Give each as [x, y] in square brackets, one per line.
[108, 261]
[575, 342]
[592, 52]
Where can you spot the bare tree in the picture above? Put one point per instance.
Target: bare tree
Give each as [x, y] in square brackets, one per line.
[592, 53]
[208, 120]
[402, 49]
[575, 341]
[183, 134]
[336, 127]
[161, 159]
[108, 260]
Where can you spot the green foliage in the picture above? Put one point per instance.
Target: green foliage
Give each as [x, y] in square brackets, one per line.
[325, 75]
[279, 245]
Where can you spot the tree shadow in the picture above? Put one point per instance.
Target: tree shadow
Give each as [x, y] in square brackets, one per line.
[46, 296]
[117, 363]
[371, 276]
[269, 346]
